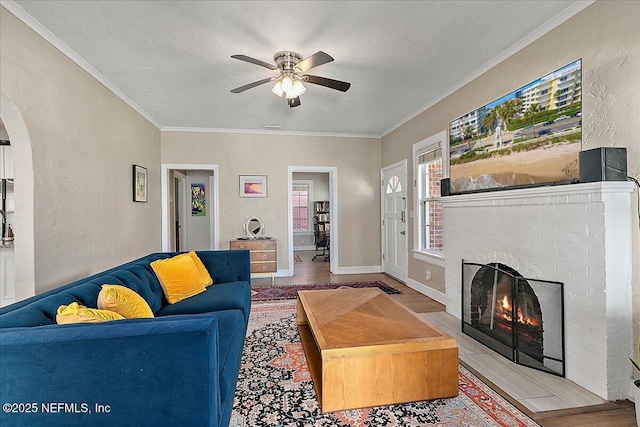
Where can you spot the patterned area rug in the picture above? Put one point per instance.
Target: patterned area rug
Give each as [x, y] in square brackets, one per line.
[275, 388]
[272, 293]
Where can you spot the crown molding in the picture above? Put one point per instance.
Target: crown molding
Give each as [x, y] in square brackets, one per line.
[524, 42]
[36, 26]
[267, 132]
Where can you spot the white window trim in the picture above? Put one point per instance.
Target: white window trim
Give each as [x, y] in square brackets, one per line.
[429, 257]
[438, 140]
[309, 183]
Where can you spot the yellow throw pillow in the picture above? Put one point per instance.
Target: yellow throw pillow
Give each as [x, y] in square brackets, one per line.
[202, 270]
[76, 313]
[123, 301]
[179, 277]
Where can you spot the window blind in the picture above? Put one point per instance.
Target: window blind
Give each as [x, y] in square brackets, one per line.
[430, 153]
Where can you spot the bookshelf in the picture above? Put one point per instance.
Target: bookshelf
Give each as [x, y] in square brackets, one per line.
[321, 211]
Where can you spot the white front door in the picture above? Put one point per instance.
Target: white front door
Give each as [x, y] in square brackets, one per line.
[394, 225]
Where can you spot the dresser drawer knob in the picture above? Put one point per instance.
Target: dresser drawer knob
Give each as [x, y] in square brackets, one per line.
[264, 267]
[264, 256]
[242, 246]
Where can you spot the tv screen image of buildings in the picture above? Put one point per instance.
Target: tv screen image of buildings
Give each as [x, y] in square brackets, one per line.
[531, 136]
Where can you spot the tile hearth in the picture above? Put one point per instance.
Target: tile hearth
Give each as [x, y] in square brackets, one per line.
[538, 394]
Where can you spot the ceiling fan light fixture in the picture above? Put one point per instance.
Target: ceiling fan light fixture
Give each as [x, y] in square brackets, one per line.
[287, 84]
[277, 89]
[298, 88]
[288, 87]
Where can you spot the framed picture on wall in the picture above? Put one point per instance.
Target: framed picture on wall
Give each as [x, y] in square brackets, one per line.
[253, 186]
[198, 201]
[140, 181]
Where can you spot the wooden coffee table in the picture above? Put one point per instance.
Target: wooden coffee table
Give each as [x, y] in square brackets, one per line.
[364, 349]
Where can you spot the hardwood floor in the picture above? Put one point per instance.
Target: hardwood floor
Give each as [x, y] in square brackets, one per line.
[618, 414]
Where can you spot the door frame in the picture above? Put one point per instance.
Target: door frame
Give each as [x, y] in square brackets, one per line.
[182, 208]
[165, 181]
[333, 212]
[406, 222]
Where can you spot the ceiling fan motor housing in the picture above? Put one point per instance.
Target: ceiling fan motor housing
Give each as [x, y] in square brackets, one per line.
[287, 60]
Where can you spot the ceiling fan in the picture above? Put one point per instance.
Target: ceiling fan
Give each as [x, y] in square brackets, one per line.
[291, 76]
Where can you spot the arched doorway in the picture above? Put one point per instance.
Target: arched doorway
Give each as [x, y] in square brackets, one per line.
[24, 197]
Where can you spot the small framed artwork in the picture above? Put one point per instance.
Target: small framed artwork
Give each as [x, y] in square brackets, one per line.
[140, 184]
[198, 201]
[253, 186]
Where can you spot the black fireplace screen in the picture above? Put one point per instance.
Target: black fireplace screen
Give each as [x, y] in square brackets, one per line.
[518, 317]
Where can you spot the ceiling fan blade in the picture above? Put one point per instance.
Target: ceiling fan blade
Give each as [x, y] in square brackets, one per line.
[294, 102]
[314, 60]
[330, 83]
[252, 85]
[246, 58]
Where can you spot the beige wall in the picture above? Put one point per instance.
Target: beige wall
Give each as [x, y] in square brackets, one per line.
[606, 36]
[84, 141]
[358, 169]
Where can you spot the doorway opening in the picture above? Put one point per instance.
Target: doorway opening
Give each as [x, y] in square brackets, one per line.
[190, 207]
[23, 255]
[313, 220]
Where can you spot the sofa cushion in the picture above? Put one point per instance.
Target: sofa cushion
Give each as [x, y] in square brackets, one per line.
[202, 270]
[223, 296]
[76, 313]
[44, 311]
[123, 301]
[139, 277]
[179, 278]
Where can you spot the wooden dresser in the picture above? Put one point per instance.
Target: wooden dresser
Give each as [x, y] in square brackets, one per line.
[264, 254]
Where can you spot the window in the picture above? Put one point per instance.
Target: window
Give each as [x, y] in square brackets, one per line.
[429, 169]
[301, 205]
[430, 207]
[394, 185]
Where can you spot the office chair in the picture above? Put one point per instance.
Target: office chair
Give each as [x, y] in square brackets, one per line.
[321, 240]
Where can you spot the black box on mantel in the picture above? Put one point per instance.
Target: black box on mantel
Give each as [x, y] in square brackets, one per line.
[603, 164]
[444, 187]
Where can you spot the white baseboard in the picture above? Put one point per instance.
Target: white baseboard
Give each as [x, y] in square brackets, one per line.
[430, 292]
[366, 269]
[279, 273]
[304, 248]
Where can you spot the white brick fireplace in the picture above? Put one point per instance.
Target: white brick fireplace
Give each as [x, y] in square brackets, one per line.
[577, 234]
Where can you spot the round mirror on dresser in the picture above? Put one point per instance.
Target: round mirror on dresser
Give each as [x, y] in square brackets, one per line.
[254, 228]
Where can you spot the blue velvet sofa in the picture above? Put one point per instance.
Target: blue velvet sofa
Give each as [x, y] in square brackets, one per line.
[178, 369]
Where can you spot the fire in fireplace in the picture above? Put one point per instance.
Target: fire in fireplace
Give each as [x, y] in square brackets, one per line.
[520, 318]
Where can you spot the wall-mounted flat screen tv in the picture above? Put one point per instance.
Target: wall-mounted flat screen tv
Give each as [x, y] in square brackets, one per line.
[529, 137]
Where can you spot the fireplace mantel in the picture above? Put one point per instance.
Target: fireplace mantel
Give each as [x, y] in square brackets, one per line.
[578, 234]
[572, 191]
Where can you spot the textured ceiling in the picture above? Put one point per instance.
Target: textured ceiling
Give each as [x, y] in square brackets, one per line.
[172, 59]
